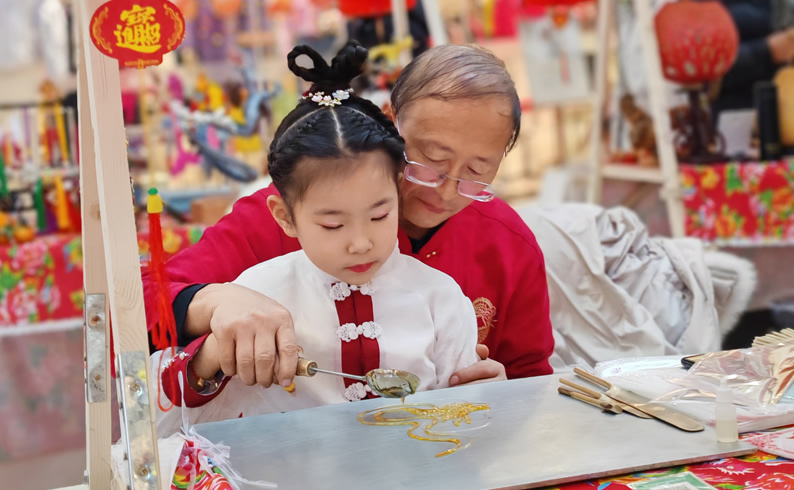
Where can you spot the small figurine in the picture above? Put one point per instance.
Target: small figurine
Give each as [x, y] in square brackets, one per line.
[641, 134]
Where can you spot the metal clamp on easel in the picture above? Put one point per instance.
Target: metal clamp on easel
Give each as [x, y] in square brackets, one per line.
[136, 417]
[95, 345]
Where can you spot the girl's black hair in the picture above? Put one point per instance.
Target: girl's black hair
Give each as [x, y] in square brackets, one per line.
[331, 134]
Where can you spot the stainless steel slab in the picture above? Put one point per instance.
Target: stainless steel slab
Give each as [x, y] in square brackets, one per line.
[535, 438]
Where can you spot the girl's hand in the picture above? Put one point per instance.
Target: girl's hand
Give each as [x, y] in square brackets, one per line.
[483, 371]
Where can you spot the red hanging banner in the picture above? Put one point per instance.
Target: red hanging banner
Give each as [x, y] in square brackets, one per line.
[137, 32]
[360, 9]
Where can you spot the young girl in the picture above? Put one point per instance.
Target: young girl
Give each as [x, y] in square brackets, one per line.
[357, 304]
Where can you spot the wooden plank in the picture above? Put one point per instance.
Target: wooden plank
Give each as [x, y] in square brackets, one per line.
[604, 27]
[660, 115]
[98, 414]
[125, 289]
[400, 31]
[620, 171]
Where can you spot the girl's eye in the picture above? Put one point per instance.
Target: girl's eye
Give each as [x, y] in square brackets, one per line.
[381, 218]
[331, 227]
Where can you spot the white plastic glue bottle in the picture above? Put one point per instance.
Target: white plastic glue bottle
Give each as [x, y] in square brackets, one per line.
[725, 415]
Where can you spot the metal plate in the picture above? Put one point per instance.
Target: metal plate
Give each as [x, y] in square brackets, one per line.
[136, 416]
[95, 348]
[535, 438]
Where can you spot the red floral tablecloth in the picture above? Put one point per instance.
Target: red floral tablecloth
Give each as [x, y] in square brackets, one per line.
[740, 203]
[757, 471]
[42, 280]
[42, 396]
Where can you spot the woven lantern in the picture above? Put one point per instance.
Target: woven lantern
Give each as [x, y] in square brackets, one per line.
[698, 41]
[369, 8]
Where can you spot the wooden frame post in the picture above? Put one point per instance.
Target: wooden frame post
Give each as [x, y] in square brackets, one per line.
[96, 328]
[111, 260]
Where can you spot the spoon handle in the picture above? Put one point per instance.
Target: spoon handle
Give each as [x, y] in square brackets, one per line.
[314, 369]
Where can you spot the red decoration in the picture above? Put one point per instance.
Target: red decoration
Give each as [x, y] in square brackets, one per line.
[698, 41]
[553, 3]
[558, 10]
[369, 8]
[137, 32]
[164, 333]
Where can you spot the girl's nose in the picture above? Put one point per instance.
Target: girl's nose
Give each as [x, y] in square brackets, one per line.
[360, 244]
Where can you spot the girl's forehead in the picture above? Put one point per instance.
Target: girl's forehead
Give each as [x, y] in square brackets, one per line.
[361, 182]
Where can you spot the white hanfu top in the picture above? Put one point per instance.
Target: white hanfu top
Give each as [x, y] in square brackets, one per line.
[422, 322]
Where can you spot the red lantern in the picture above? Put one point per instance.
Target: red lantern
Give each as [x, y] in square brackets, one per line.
[137, 32]
[698, 41]
[369, 8]
[226, 8]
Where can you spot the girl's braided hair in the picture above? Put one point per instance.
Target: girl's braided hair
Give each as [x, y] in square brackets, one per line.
[331, 134]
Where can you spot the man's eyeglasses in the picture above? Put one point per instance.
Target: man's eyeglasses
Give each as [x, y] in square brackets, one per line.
[423, 175]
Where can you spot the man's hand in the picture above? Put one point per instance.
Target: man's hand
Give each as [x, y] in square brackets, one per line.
[255, 335]
[483, 371]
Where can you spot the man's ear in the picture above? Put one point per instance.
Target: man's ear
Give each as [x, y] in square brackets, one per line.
[280, 211]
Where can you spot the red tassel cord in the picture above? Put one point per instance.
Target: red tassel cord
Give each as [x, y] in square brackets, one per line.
[164, 330]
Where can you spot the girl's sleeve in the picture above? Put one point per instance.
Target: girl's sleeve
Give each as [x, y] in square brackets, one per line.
[456, 333]
[172, 369]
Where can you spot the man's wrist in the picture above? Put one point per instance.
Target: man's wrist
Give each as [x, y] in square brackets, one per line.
[200, 310]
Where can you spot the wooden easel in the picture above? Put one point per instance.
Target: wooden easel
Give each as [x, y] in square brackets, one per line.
[112, 274]
[667, 173]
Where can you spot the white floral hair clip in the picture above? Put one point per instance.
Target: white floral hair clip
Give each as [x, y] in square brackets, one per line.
[334, 99]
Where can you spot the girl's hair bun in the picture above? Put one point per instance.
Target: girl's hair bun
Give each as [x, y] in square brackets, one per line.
[347, 65]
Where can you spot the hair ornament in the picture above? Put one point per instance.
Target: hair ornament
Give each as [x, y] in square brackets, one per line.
[332, 100]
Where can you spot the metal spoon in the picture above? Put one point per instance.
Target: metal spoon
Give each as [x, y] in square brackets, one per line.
[388, 383]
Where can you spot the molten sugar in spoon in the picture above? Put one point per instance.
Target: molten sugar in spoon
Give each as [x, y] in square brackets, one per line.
[388, 383]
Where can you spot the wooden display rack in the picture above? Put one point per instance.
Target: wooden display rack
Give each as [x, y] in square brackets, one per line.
[666, 175]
